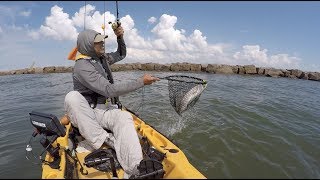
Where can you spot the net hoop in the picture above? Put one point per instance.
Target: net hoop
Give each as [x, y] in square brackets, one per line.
[194, 80]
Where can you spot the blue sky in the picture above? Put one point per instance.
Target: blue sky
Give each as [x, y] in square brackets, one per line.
[266, 34]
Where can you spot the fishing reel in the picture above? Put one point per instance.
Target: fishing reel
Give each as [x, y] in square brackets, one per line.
[47, 125]
[115, 25]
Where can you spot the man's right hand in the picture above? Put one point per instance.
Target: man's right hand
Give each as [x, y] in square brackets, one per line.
[148, 79]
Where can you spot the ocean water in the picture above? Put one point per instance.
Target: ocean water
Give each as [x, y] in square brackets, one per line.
[241, 127]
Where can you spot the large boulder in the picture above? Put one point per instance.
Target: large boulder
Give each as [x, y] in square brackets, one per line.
[30, 71]
[224, 69]
[148, 67]
[219, 69]
[250, 69]
[136, 66]
[128, 67]
[296, 73]
[59, 69]
[62, 69]
[115, 67]
[286, 73]
[211, 68]
[162, 67]
[186, 66]
[49, 69]
[21, 71]
[125, 67]
[38, 70]
[273, 72]
[304, 75]
[292, 76]
[3, 73]
[241, 70]
[261, 71]
[70, 69]
[235, 69]
[314, 76]
[180, 67]
[204, 67]
[121, 67]
[195, 67]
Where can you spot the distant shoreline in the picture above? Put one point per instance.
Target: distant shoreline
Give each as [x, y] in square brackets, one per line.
[175, 67]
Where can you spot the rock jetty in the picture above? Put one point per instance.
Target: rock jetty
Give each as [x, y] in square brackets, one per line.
[208, 68]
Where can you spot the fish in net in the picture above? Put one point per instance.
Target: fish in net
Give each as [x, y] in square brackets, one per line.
[184, 91]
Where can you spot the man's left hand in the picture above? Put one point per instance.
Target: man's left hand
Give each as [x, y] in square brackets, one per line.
[119, 31]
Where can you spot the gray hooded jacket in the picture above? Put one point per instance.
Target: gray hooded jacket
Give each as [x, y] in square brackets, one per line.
[91, 77]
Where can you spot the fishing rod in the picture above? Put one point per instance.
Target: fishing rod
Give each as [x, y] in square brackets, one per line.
[117, 13]
[116, 24]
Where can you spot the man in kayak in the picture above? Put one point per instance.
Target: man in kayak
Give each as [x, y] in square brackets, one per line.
[91, 107]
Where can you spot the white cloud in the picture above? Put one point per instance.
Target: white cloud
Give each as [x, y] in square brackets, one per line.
[166, 45]
[25, 13]
[168, 37]
[252, 54]
[132, 36]
[197, 39]
[57, 26]
[78, 18]
[152, 20]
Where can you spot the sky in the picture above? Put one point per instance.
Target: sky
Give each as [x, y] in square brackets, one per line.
[274, 34]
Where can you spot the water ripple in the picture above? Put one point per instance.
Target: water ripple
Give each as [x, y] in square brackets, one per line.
[241, 127]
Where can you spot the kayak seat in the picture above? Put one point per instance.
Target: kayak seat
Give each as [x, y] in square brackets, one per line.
[77, 132]
[75, 135]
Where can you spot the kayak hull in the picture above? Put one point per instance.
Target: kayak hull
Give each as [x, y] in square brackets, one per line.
[175, 164]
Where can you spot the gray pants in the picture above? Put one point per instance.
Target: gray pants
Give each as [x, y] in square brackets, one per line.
[91, 122]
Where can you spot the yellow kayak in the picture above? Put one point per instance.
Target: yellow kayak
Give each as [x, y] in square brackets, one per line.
[73, 164]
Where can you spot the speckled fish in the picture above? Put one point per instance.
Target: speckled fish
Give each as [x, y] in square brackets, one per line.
[189, 99]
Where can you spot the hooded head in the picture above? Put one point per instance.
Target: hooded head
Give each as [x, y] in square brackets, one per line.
[86, 40]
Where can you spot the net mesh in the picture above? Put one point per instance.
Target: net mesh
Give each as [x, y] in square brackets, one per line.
[184, 91]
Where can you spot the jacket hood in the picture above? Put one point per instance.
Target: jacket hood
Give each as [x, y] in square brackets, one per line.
[85, 43]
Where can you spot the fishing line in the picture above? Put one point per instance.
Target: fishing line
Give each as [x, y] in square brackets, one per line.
[142, 100]
[85, 13]
[104, 24]
[29, 150]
